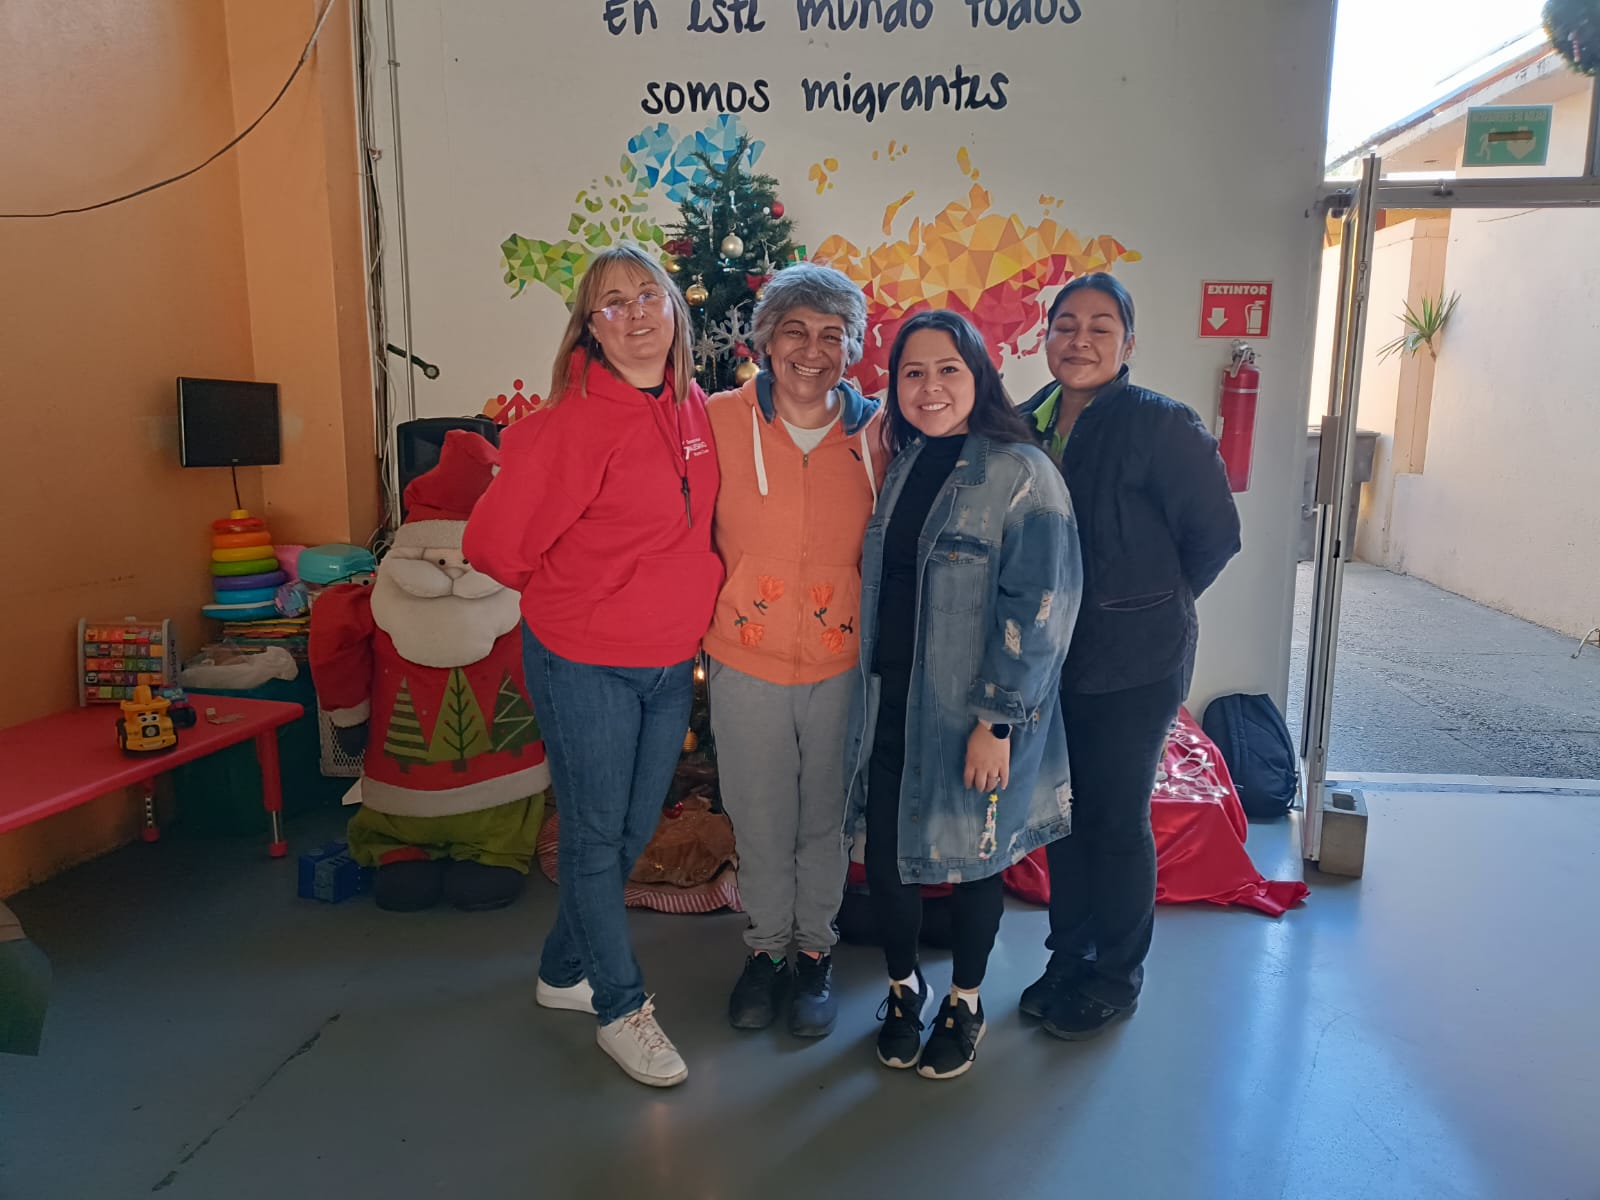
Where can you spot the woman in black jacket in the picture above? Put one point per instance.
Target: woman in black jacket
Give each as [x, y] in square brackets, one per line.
[1157, 524]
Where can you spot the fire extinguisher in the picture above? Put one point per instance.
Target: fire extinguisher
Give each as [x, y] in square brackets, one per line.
[1236, 431]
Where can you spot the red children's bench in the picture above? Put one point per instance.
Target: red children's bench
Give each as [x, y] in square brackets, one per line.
[66, 759]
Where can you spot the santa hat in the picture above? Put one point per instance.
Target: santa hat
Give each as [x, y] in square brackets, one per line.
[439, 501]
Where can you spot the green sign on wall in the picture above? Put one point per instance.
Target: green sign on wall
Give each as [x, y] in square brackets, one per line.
[1507, 136]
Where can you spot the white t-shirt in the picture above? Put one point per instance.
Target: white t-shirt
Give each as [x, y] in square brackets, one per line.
[808, 439]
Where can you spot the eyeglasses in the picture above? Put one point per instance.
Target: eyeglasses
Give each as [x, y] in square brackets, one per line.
[617, 311]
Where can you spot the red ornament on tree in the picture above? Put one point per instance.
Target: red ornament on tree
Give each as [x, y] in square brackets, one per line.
[777, 208]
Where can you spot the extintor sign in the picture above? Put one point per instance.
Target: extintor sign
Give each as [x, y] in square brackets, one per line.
[1235, 309]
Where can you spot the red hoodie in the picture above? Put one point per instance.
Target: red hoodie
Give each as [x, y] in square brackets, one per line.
[586, 519]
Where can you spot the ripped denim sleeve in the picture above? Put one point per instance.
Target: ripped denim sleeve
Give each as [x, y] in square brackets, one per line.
[1040, 588]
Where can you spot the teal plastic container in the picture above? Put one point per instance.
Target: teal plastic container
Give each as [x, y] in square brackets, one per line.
[221, 793]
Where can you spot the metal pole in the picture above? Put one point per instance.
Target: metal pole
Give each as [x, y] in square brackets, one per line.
[1591, 154]
[400, 211]
[1336, 540]
[1568, 192]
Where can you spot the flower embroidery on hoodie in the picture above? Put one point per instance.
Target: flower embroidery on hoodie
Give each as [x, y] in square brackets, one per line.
[771, 589]
[821, 596]
[833, 636]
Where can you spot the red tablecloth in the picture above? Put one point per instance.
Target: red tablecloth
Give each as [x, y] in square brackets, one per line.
[1200, 830]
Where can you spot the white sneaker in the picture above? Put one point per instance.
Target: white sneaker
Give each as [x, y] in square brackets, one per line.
[641, 1049]
[577, 998]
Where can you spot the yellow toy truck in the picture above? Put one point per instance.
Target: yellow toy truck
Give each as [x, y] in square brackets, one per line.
[145, 725]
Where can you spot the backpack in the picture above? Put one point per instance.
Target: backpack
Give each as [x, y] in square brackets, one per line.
[1254, 742]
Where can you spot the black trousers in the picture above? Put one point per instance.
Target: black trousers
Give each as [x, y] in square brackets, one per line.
[897, 906]
[1103, 877]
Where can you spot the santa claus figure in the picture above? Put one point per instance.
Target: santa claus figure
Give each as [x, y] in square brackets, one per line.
[424, 669]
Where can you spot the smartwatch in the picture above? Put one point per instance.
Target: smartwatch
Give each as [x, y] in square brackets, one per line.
[1003, 732]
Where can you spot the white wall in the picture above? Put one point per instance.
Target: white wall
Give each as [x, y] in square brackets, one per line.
[510, 108]
[1407, 265]
[1501, 508]
[1506, 511]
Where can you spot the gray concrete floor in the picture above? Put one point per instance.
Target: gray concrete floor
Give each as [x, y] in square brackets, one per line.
[1425, 1032]
[1429, 682]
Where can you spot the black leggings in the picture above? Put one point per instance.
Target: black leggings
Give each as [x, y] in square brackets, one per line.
[897, 906]
[1103, 877]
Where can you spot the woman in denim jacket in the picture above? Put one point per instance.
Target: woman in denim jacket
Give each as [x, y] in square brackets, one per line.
[970, 582]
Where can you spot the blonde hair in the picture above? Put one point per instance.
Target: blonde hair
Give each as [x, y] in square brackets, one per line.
[578, 340]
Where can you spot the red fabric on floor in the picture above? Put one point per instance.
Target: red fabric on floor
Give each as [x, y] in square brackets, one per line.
[1200, 830]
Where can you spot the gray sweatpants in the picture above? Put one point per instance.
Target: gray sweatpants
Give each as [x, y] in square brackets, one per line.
[780, 761]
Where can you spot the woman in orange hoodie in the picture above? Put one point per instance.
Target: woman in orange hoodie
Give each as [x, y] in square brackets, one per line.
[601, 518]
[801, 453]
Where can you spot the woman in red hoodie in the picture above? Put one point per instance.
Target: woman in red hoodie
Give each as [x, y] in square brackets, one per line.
[601, 518]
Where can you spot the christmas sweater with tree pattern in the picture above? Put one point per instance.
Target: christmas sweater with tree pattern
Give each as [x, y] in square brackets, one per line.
[443, 740]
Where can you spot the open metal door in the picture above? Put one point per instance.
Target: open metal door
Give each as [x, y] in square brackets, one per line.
[1335, 469]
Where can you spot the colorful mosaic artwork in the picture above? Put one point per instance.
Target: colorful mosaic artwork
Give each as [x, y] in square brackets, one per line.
[991, 268]
[617, 208]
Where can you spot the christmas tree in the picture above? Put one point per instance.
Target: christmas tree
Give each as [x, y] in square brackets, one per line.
[697, 767]
[732, 237]
[405, 743]
[459, 733]
[514, 724]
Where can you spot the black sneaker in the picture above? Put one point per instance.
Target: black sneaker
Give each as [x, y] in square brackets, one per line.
[1076, 1017]
[903, 1017]
[757, 996]
[813, 1008]
[953, 1044]
[1056, 981]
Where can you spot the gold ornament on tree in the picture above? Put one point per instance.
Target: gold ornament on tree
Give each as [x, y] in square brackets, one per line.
[696, 293]
[732, 246]
[671, 265]
[691, 742]
[745, 372]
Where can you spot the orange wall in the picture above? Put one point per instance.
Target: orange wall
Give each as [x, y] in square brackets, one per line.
[249, 269]
[299, 193]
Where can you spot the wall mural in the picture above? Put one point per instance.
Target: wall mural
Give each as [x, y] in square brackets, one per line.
[996, 268]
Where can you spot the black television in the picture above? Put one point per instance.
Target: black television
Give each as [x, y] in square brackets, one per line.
[228, 423]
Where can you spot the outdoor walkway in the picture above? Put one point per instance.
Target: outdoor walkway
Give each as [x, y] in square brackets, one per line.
[1430, 683]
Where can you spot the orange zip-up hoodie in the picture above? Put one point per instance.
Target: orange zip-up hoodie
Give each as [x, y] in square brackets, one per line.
[789, 528]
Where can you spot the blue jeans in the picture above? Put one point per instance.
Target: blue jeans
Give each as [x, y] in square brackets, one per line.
[613, 735]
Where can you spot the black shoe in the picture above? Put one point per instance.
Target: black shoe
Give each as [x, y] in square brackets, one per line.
[953, 1044]
[1056, 981]
[477, 887]
[1077, 1017]
[758, 995]
[409, 886]
[903, 1016]
[813, 1008]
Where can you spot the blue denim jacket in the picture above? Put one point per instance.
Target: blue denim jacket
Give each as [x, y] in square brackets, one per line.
[999, 582]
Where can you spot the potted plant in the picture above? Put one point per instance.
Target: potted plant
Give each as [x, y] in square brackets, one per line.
[1573, 27]
[1422, 329]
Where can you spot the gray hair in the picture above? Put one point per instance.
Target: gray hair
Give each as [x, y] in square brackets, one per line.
[821, 289]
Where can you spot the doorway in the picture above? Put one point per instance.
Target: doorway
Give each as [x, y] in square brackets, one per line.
[1453, 561]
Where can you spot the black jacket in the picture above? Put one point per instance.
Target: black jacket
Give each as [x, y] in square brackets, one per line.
[1156, 523]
